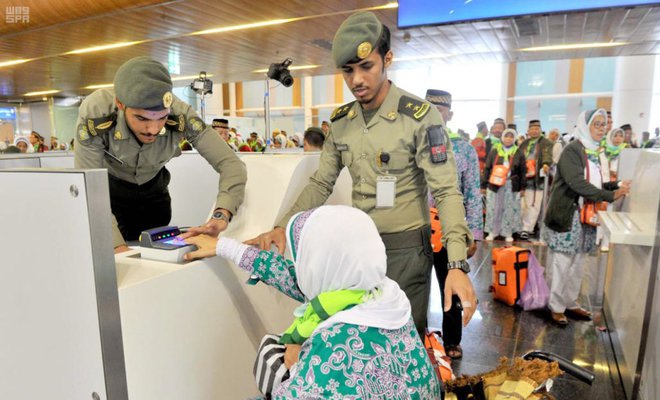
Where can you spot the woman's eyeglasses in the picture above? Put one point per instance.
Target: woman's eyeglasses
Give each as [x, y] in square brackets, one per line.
[599, 124]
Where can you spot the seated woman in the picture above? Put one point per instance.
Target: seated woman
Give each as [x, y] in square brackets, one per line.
[354, 336]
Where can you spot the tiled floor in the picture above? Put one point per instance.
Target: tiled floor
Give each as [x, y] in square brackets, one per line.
[498, 330]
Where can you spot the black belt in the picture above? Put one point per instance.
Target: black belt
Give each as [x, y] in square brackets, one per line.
[405, 240]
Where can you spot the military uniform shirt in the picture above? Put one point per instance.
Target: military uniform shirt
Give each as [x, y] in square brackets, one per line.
[398, 129]
[102, 127]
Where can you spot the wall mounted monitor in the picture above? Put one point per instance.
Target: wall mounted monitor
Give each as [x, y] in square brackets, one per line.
[438, 12]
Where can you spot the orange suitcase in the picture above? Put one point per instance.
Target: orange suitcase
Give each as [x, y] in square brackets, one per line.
[509, 273]
[436, 231]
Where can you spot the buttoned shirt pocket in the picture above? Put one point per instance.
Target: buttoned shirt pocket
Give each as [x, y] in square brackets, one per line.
[397, 163]
[346, 158]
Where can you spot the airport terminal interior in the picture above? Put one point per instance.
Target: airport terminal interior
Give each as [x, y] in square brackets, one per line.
[126, 124]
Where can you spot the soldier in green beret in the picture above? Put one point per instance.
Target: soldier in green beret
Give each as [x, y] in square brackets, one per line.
[382, 138]
[133, 132]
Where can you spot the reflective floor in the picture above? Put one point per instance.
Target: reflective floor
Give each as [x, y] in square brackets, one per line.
[498, 330]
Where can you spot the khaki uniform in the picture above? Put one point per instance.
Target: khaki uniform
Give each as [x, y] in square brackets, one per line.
[396, 131]
[102, 129]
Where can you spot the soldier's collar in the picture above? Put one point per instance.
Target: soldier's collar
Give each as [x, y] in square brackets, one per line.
[123, 132]
[388, 110]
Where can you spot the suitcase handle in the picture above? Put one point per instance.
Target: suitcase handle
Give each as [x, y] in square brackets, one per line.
[518, 253]
[565, 365]
[518, 266]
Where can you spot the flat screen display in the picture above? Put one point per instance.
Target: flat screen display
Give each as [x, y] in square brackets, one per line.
[437, 12]
[7, 113]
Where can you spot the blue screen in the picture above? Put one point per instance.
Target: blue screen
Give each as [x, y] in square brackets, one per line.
[175, 241]
[7, 113]
[434, 12]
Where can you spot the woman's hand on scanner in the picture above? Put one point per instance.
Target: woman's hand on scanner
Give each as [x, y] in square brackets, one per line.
[205, 247]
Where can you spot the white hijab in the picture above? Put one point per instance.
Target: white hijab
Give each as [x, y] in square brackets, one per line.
[582, 127]
[30, 146]
[338, 247]
[610, 136]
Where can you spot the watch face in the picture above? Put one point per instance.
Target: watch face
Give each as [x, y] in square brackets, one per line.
[219, 215]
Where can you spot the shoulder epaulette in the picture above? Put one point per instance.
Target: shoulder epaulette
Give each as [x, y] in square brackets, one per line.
[416, 109]
[340, 112]
[101, 125]
[176, 122]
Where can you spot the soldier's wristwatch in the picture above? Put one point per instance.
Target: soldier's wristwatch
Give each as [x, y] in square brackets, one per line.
[218, 214]
[462, 265]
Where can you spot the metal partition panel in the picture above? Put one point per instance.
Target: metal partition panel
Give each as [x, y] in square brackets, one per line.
[630, 303]
[19, 161]
[59, 309]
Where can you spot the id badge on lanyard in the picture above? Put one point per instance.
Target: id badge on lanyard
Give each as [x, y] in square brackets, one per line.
[385, 191]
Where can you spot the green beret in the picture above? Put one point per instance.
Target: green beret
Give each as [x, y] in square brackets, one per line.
[356, 38]
[143, 82]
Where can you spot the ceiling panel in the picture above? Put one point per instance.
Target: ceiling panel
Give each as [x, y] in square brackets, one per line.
[165, 28]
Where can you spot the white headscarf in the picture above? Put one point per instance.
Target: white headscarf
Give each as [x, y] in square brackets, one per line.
[512, 132]
[610, 136]
[30, 147]
[281, 139]
[338, 247]
[297, 139]
[582, 127]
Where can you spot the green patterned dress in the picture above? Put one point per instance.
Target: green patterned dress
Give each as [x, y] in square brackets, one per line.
[346, 361]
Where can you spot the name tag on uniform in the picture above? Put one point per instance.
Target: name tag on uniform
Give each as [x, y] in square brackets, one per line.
[342, 147]
[385, 191]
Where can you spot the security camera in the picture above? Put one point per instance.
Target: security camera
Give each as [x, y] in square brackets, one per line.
[280, 72]
[202, 85]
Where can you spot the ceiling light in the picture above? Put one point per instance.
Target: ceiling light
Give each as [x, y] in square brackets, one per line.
[244, 26]
[44, 92]
[290, 68]
[104, 47]
[576, 46]
[176, 78]
[13, 62]
[183, 78]
[105, 85]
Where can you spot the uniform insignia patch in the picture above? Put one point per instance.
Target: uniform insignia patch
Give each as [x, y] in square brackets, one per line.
[352, 114]
[416, 109]
[363, 50]
[167, 99]
[391, 115]
[197, 124]
[100, 126]
[176, 122]
[90, 127]
[117, 135]
[82, 133]
[341, 112]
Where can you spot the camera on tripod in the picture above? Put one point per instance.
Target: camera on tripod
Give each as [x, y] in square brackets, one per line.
[202, 85]
[280, 72]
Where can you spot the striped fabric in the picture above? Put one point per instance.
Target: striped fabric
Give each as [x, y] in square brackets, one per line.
[269, 369]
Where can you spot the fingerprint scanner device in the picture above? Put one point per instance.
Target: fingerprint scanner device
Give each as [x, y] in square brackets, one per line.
[161, 244]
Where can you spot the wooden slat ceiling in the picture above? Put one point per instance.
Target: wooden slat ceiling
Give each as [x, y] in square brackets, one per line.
[165, 27]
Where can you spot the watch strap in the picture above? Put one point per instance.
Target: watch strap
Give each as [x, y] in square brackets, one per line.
[461, 264]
